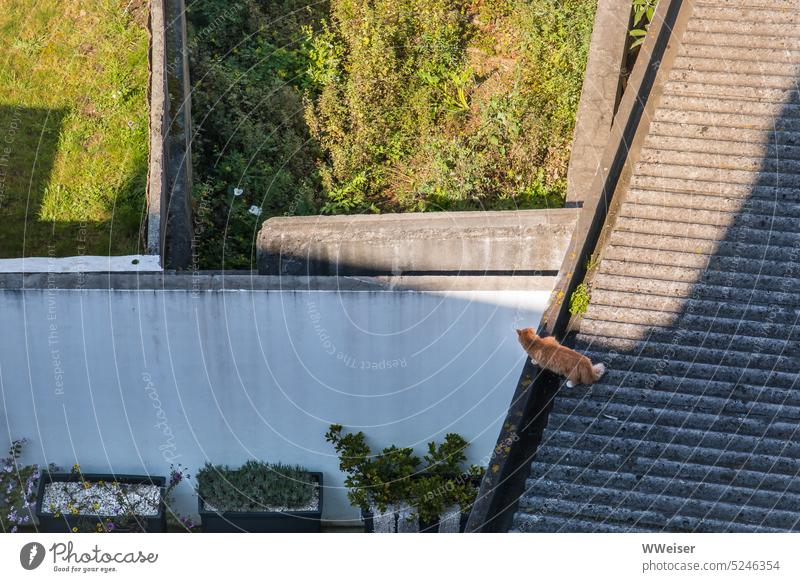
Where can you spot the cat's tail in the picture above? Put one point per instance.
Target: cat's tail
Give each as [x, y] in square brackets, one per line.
[598, 370]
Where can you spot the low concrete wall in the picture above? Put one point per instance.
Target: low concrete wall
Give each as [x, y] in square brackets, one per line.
[169, 221]
[602, 86]
[444, 242]
[179, 368]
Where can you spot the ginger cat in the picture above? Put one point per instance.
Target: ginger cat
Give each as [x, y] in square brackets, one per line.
[547, 353]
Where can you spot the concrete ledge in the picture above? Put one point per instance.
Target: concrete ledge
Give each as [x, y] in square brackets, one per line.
[202, 282]
[602, 86]
[84, 264]
[524, 242]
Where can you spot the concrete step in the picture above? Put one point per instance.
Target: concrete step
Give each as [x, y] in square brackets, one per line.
[785, 280]
[774, 5]
[786, 81]
[689, 337]
[712, 203]
[658, 153]
[767, 486]
[758, 69]
[677, 244]
[787, 405]
[699, 261]
[697, 216]
[644, 420]
[736, 55]
[609, 348]
[724, 91]
[711, 174]
[653, 494]
[721, 37]
[750, 232]
[729, 106]
[668, 428]
[732, 134]
[746, 30]
[776, 473]
[632, 383]
[677, 305]
[552, 522]
[702, 290]
[715, 188]
[627, 518]
[690, 401]
[734, 120]
[745, 12]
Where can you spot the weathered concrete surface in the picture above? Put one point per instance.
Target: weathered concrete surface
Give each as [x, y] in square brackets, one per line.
[599, 96]
[178, 160]
[445, 242]
[130, 380]
[156, 174]
[221, 281]
[82, 264]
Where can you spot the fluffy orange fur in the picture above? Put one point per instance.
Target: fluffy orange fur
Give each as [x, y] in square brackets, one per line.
[547, 353]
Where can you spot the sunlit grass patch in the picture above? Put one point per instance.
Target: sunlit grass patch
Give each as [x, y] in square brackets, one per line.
[73, 120]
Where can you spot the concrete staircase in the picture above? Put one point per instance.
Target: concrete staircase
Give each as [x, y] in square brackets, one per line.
[695, 304]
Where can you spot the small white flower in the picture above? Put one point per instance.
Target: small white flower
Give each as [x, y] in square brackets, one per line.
[238, 191]
[255, 210]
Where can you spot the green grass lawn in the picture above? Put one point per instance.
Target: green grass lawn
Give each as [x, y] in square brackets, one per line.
[73, 126]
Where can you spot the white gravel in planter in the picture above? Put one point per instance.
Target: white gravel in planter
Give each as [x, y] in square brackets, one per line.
[312, 505]
[112, 499]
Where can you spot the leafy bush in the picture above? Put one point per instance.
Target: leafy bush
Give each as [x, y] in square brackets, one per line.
[384, 106]
[447, 105]
[255, 486]
[395, 476]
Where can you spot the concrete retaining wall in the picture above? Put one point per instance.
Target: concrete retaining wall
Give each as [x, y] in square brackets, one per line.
[444, 242]
[174, 368]
[169, 221]
[602, 86]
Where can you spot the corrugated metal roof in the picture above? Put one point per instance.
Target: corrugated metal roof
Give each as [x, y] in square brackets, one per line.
[695, 305]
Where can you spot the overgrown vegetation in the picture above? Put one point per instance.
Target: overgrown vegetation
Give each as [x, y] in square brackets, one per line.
[73, 126]
[251, 147]
[386, 106]
[255, 486]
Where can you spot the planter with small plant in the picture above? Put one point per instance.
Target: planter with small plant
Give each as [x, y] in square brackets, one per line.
[259, 497]
[94, 502]
[399, 492]
[18, 488]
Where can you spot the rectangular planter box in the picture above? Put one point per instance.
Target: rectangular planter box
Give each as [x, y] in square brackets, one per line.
[264, 521]
[48, 523]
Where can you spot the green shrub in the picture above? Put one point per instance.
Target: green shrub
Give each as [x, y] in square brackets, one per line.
[254, 486]
[396, 476]
[347, 106]
[427, 106]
